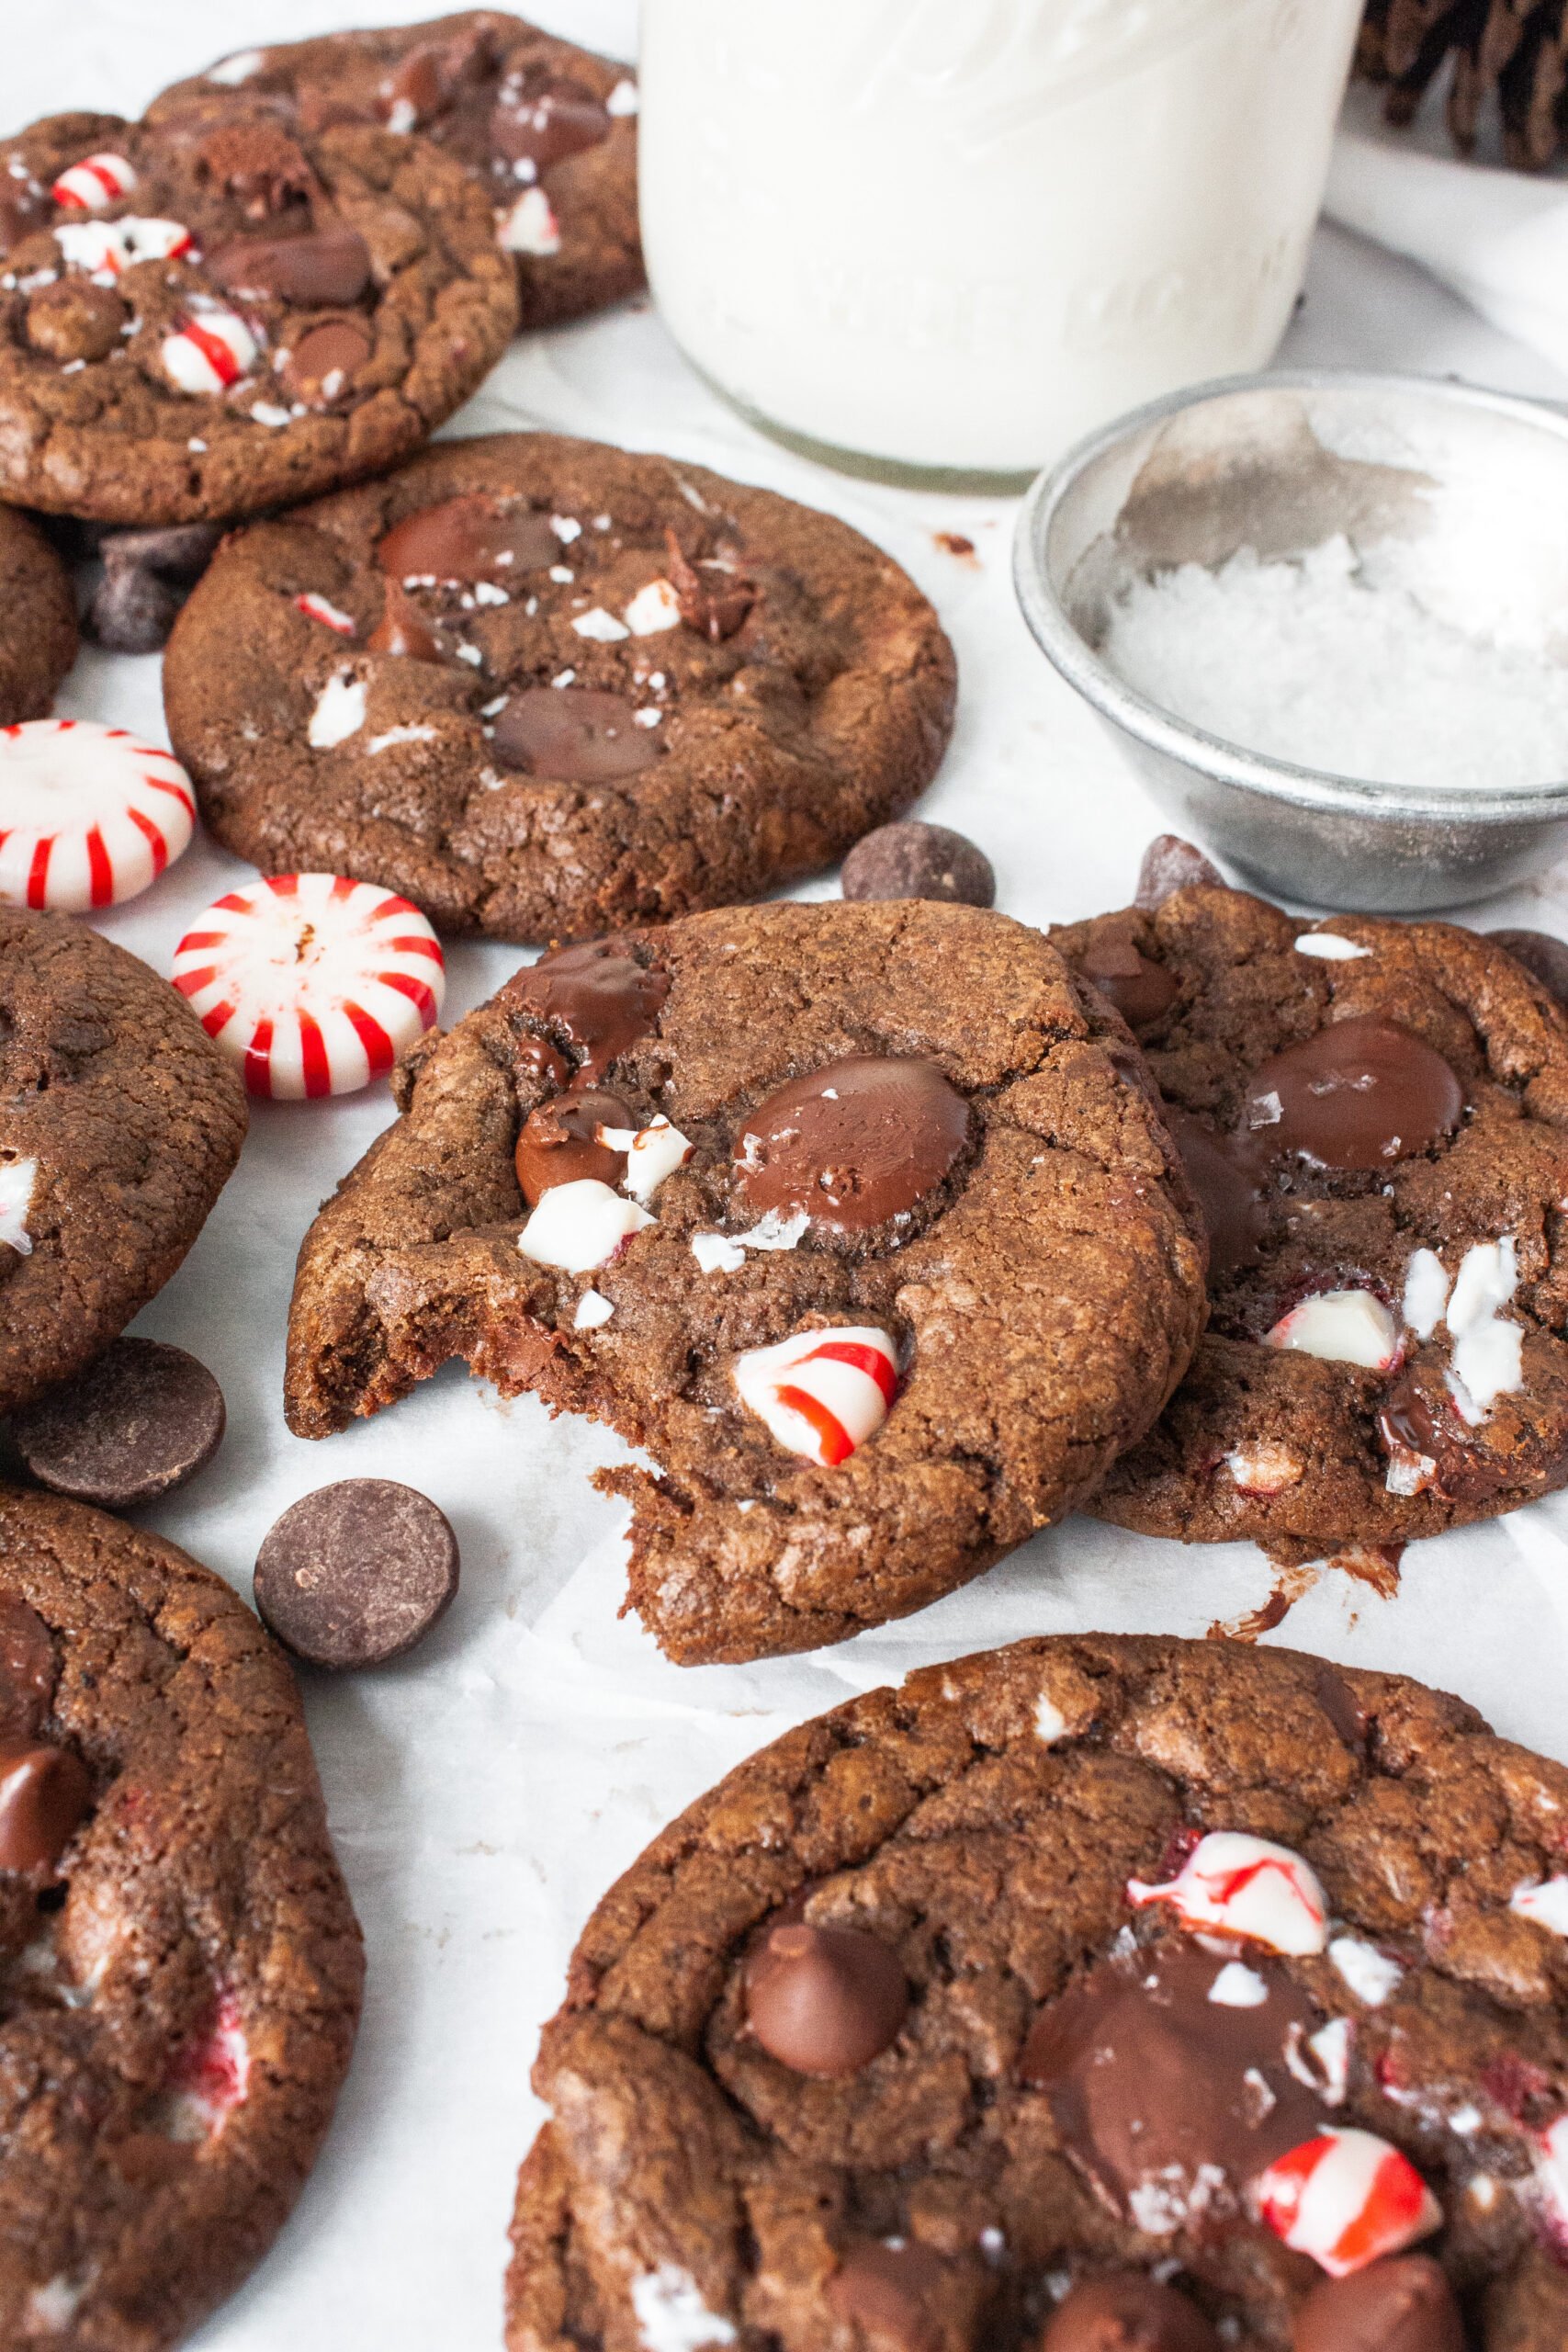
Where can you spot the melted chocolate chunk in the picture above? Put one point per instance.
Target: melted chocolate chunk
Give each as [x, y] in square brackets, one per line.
[544, 126]
[333, 266]
[44, 1791]
[27, 1671]
[322, 365]
[1131, 2313]
[1171, 865]
[1403, 2305]
[1361, 1093]
[1416, 1422]
[824, 2001]
[401, 630]
[1223, 1173]
[537, 1058]
[1156, 2089]
[1140, 990]
[1406, 1421]
[1338, 1702]
[574, 735]
[886, 2289]
[559, 1145]
[854, 1143]
[471, 537]
[712, 595]
[601, 999]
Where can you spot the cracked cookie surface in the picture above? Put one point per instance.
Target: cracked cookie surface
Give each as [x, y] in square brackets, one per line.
[544, 688]
[180, 1976]
[201, 320]
[547, 130]
[1014, 1280]
[1385, 1354]
[989, 1831]
[120, 1125]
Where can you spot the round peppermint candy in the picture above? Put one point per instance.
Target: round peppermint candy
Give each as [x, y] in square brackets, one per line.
[88, 814]
[312, 983]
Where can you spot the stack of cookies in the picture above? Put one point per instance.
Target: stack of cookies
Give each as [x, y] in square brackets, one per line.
[1093, 1995]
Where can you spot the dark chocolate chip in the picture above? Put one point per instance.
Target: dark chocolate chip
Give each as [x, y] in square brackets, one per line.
[888, 2288]
[331, 266]
[356, 1574]
[854, 1143]
[174, 551]
[27, 1671]
[401, 630]
[1403, 2305]
[142, 1418]
[558, 1144]
[911, 860]
[471, 537]
[44, 1791]
[1140, 989]
[1131, 2313]
[824, 2001]
[599, 996]
[1223, 1172]
[322, 365]
[573, 734]
[1545, 958]
[1362, 1093]
[1171, 865]
[545, 125]
[132, 611]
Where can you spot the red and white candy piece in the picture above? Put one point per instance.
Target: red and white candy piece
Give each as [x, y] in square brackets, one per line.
[318, 608]
[529, 226]
[1234, 1884]
[312, 983]
[1342, 1326]
[107, 248]
[209, 353]
[95, 181]
[580, 1225]
[88, 815]
[208, 2080]
[821, 1393]
[1347, 2199]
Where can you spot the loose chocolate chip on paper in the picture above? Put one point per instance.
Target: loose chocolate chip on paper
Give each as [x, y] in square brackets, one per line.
[1171, 865]
[911, 860]
[142, 1418]
[356, 1574]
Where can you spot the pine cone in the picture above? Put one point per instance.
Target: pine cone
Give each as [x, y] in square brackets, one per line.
[1517, 48]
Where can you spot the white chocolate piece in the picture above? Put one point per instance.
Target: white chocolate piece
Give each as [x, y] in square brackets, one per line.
[1238, 1988]
[653, 608]
[671, 2315]
[580, 1225]
[1546, 1904]
[1426, 1292]
[623, 99]
[339, 712]
[1341, 1326]
[716, 1254]
[1050, 1723]
[1488, 1358]
[529, 226]
[821, 1393]
[1246, 1886]
[89, 815]
[652, 1153]
[1329, 947]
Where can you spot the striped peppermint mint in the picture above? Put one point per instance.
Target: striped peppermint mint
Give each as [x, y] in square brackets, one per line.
[88, 814]
[312, 983]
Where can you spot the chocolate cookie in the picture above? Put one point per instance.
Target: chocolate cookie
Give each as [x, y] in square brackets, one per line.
[549, 131]
[179, 1966]
[544, 688]
[120, 1125]
[1096, 1959]
[1375, 1116]
[858, 1217]
[200, 319]
[38, 620]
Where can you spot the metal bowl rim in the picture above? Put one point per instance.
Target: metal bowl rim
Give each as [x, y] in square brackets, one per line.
[1193, 747]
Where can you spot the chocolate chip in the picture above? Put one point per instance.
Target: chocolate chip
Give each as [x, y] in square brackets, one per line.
[464, 539]
[1362, 1093]
[1171, 865]
[888, 2291]
[911, 860]
[401, 630]
[44, 1791]
[142, 1418]
[824, 2001]
[713, 595]
[1130, 2313]
[1403, 2305]
[574, 735]
[74, 319]
[598, 995]
[1545, 958]
[322, 365]
[853, 1144]
[331, 266]
[559, 1142]
[1140, 989]
[174, 551]
[1225, 1173]
[27, 1671]
[544, 125]
[356, 1574]
[132, 612]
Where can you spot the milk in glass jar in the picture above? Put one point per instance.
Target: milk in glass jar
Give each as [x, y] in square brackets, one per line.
[939, 240]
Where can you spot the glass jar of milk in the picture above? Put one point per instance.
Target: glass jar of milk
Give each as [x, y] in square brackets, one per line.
[937, 239]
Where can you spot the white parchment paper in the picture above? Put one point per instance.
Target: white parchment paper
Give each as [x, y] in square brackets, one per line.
[484, 1792]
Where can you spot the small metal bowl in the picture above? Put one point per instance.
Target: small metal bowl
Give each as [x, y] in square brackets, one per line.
[1279, 463]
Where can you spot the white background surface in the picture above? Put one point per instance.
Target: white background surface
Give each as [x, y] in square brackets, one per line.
[485, 1791]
